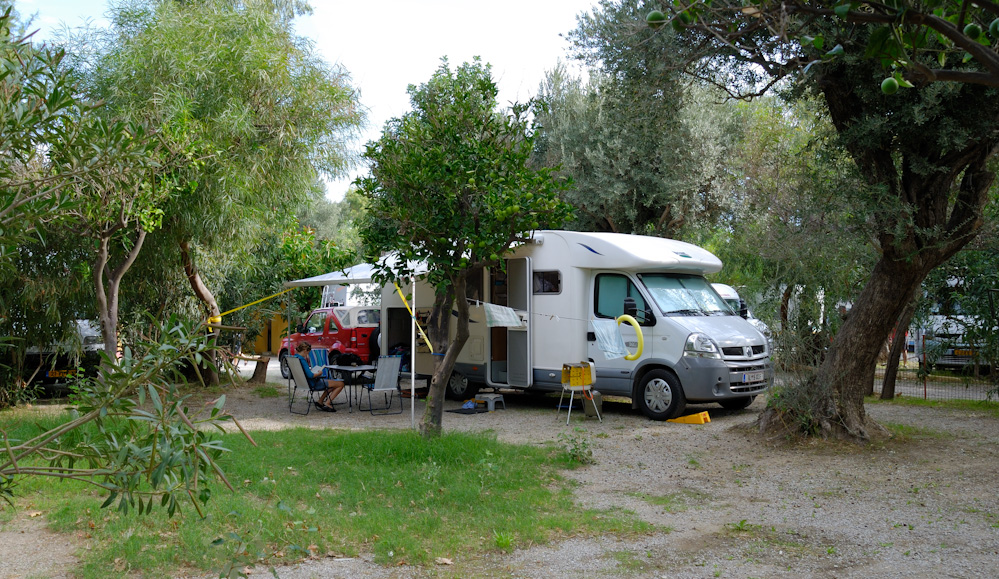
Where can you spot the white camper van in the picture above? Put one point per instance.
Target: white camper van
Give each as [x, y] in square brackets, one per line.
[738, 305]
[695, 348]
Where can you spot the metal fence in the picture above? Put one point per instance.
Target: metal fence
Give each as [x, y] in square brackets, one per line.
[941, 384]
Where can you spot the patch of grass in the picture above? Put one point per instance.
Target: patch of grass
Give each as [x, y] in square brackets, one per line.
[677, 502]
[989, 408]
[631, 562]
[266, 392]
[743, 526]
[905, 432]
[577, 446]
[320, 492]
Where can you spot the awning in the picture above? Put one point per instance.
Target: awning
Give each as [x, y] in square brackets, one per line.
[360, 273]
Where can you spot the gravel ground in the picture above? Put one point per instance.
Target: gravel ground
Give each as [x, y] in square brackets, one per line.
[925, 506]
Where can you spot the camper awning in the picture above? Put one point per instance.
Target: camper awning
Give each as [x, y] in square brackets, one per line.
[360, 273]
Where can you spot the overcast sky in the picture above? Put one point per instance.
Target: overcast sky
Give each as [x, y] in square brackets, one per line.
[391, 44]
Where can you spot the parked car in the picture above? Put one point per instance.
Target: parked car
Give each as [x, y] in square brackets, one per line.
[57, 363]
[339, 330]
[941, 342]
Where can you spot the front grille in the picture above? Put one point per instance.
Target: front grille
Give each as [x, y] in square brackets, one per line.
[740, 351]
[747, 379]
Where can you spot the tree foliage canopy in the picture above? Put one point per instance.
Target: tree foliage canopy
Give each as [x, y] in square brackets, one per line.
[450, 186]
[450, 183]
[923, 153]
[915, 42]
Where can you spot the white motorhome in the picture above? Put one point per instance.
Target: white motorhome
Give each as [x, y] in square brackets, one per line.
[738, 305]
[695, 348]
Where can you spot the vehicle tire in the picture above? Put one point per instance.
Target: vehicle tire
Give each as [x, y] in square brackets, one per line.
[737, 403]
[373, 346]
[283, 361]
[459, 388]
[660, 395]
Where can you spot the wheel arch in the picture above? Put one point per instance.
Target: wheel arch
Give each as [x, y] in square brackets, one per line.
[639, 376]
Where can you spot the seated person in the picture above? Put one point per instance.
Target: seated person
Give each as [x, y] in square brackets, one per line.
[315, 378]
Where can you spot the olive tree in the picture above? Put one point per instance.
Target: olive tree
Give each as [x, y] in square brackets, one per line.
[252, 114]
[923, 150]
[450, 186]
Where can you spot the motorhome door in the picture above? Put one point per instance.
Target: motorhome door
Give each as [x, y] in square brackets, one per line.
[518, 340]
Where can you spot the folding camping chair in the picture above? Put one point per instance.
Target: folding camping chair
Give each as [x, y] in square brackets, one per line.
[320, 357]
[386, 383]
[299, 380]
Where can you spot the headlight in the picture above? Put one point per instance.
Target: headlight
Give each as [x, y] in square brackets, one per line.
[701, 346]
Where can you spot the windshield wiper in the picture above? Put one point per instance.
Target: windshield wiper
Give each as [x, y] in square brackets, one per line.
[686, 312]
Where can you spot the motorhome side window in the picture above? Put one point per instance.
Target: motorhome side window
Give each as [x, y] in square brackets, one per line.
[547, 282]
[609, 293]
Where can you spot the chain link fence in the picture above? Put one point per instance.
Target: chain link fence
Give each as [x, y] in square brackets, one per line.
[976, 384]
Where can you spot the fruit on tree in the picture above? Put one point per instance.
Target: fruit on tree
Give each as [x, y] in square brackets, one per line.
[889, 85]
[655, 19]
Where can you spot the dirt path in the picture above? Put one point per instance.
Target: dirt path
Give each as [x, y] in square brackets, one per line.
[724, 504]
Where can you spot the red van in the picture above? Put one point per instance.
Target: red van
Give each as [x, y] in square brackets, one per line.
[339, 330]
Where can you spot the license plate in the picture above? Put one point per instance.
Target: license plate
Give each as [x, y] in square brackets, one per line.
[751, 377]
[60, 373]
[964, 352]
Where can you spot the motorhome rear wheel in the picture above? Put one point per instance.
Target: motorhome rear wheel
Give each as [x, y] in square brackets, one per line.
[459, 388]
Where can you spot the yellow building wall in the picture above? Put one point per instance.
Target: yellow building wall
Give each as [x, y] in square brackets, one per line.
[269, 339]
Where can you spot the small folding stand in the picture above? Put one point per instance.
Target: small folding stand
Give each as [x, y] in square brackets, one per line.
[577, 378]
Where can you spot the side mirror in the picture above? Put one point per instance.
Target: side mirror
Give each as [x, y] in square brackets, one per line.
[300, 328]
[630, 308]
[743, 310]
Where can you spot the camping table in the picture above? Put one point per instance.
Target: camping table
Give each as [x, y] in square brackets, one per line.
[350, 375]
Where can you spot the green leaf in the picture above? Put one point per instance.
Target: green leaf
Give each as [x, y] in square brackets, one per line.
[836, 51]
[877, 42]
[842, 10]
[110, 499]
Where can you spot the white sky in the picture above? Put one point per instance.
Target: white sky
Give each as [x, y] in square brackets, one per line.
[388, 45]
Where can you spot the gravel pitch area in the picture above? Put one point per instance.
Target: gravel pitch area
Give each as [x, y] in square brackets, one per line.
[724, 503]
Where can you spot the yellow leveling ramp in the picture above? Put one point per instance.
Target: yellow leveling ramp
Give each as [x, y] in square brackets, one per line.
[699, 418]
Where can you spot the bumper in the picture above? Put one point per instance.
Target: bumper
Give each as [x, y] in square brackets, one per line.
[708, 380]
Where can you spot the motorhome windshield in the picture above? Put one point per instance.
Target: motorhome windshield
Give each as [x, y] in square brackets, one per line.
[684, 295]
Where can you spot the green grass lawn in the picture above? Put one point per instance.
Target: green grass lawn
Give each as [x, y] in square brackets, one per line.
[321, 492]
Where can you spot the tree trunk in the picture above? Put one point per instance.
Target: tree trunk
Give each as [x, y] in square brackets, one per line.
[897, 346]
[933, 205]
[211, 376]
[445, 351]
[107, 295]
[835, 394]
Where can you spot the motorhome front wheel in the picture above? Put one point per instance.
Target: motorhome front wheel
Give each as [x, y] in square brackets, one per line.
[737, 403]
[660, 395]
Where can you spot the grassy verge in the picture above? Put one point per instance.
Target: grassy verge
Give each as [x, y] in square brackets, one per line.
[988, 407]
[316, 493]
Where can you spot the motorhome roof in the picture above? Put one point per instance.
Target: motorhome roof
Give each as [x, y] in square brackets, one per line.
[727, 292]
[633, 252]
